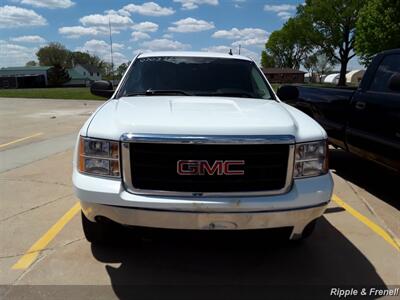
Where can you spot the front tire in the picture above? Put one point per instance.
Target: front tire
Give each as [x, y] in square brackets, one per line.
[308, 230]
[95, 233]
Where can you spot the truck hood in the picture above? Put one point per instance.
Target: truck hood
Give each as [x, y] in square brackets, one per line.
[183, 115]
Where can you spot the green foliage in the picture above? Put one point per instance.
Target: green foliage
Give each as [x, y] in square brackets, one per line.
[58, 75]
[50, 93]
[289, 46]
[333, 30]
[310, 62]
[122, 68]
[83, 58]
[31, 63]
[267, 61]
[324, 64]
[378, 28]
[53, 54]
[56, 54]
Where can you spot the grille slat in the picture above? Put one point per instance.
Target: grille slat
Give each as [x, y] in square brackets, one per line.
[154, 167]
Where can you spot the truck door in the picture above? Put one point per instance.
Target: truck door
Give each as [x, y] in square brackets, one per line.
[374, 125]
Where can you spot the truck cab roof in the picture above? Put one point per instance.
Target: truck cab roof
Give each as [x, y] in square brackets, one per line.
[193, 54]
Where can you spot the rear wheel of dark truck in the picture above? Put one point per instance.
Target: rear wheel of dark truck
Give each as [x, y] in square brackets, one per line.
[95, 232]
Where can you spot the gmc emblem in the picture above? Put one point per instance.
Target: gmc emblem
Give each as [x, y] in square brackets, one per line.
[203, 167]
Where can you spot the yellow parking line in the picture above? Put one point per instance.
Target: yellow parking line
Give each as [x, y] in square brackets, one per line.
[21, 139]
[363, 219]
[30, 256]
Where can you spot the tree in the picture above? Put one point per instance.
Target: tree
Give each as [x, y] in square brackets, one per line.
[289, 45]
[377, 28]
[53, 54]
[31, 63]
[333, 30]
[58, 75]
[267, 61]
[83, 58]
[324, 64]
[310, 63]
[122, 68]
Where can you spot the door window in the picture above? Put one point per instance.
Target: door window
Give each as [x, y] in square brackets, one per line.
[389, 66]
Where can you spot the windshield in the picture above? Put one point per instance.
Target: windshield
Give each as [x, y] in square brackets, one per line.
[197, 76]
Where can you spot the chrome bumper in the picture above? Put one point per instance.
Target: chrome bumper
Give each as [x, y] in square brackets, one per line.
[296, 218]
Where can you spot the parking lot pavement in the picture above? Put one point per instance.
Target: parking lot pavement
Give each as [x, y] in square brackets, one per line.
[355, 243]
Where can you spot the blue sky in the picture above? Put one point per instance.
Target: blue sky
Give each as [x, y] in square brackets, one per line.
[210, 25]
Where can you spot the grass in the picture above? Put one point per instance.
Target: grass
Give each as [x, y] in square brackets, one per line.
[80, 93]
[275, 86]
[83, 93]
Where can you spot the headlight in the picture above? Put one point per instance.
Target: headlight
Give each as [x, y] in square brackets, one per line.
[311, 159]
[99, 157]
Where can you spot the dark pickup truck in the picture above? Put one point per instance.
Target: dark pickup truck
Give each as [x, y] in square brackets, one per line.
[364, 120]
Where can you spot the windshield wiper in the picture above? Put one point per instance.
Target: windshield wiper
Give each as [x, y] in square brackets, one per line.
[151, 92]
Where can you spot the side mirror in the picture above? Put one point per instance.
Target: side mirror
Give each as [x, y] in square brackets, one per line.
[394, 82]
[102, 88]
[288, 93]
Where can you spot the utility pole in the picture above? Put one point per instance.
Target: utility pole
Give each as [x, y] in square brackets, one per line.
[240, 47]
[111, 51]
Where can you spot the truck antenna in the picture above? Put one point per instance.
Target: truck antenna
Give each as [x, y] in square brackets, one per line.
[111, 51]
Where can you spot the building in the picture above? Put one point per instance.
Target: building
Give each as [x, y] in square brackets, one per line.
[332, 78]
[284, 75]
[31, 77]
[88, 71]
[354, 77]
[83, 75]
[24, 77]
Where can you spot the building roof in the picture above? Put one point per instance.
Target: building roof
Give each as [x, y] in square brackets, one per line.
[193, 54]
[354, 72]
[90, 68]
[75, 75]
[331, 78]
[281, 71]
[35, 68]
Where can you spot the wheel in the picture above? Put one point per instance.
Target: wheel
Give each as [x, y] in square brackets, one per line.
[96, 233]
[308, 230]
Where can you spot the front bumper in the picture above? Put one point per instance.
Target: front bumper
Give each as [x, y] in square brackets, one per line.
[297, 219]
[306, 201]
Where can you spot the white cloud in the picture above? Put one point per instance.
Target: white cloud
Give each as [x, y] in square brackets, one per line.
[168, 36]
[191, 25]
[102, 49]
[78, 31]
[137, 35]
[49, 3]
[145, 27]
[284, 11]
[148, 9]
[193, 4]
[28, 39]
[163, 45]
[284, 15]
[13, 16]
[237, 5]
[15, 55]
[244, 37]
[225, 49]
[219, 49]
[116, 20]
[279, 7]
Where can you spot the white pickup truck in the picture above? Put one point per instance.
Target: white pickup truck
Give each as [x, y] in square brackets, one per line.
[193, 140]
